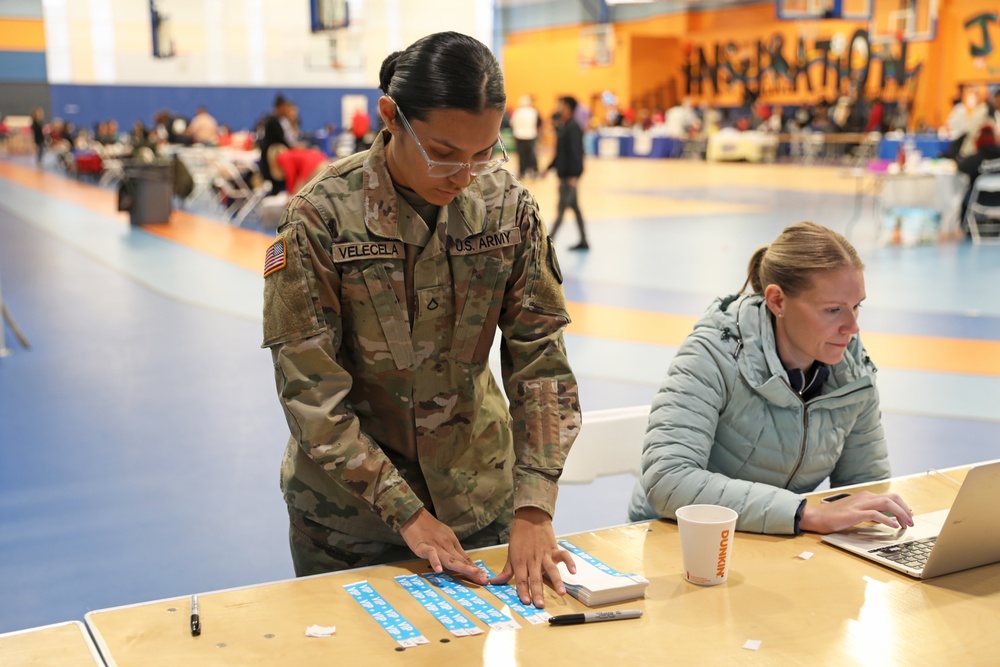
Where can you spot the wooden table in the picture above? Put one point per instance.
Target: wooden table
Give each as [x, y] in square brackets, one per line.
[60, 645]
[830, 609]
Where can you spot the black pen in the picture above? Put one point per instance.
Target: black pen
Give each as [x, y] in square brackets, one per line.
[195, 618]
[576, 619]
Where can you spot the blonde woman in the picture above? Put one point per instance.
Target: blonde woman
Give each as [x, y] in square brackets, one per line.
[772, 393]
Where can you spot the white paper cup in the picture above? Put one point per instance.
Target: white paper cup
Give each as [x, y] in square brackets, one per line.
[707, 533]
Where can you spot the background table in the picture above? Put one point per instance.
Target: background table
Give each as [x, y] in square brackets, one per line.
[929, 146]
[940, 192]
[627, 144]
[830, 609]
[61, 645]
[752, 146]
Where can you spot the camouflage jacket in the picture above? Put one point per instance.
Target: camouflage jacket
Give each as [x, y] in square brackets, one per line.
[382, 359]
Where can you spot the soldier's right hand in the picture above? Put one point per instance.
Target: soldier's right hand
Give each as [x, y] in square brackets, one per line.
[429, 538]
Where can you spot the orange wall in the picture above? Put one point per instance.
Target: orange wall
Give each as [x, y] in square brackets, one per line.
[544, 62]
[653, 83]
[954, 65]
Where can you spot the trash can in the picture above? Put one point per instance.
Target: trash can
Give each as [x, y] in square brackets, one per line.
[147, 192]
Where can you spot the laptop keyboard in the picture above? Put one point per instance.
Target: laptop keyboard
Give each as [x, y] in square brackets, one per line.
[911, 554]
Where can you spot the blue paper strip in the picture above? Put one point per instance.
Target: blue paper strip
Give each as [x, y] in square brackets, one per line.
[508, 595]
[471, 602]
[451, 618]
[391, 621]
[577, 551]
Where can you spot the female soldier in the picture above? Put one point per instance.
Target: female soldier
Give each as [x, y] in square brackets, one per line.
[391, 273]
[769, 395]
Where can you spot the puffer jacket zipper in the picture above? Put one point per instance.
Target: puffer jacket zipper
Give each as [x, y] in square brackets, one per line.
[805, 432]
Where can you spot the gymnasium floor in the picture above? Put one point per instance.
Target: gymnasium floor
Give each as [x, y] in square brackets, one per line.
[140, 436]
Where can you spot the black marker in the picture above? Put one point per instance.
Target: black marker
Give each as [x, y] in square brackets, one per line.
[576, 619]
[195, 619]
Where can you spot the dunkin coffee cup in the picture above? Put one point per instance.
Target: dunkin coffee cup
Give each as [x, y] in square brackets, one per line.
[707, 533]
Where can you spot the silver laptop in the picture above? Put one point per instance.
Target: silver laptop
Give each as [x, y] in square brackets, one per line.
[966, 536]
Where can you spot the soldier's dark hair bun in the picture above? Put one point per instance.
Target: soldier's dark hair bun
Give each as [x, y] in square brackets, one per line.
[387, 70]
[446, 70]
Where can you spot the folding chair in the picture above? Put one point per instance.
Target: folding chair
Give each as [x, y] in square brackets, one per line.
[610, 443]
[199, 163]
[867, 150]
[239, 189]
[113, 174]
[813, 147]
[695, 146]
[990, 212]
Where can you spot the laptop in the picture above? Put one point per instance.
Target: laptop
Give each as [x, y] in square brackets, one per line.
[966, 536]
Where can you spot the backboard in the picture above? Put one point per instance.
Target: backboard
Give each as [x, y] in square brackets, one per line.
[329, 15]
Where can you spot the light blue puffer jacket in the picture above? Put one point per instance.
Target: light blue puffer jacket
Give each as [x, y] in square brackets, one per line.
[727, 429]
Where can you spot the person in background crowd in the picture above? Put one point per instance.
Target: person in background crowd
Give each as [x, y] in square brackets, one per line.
[361, 124]
[391, 275]
[995, 108]
[899, 117]
[144, 141]
[772, 393]
[968, 114]
[524, 124]
[299, 165]
[107, 133]
[802, 118]
[273, 134]
[203, 128]
[568, 163]
[139, 134]
[681, 119]
[290, 123]
[325, 137]
[169, 128]
[876, 117]
[986, 160]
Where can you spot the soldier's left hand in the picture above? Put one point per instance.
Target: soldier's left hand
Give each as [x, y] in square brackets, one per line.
[532, 556]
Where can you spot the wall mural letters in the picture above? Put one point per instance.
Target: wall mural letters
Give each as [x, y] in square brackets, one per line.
[827, 66]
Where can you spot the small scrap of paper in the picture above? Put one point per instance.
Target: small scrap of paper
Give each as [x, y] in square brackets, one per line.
[753, 644]
[320, 631]
[806, 555]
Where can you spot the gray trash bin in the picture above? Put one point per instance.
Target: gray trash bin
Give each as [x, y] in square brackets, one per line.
[147, 193]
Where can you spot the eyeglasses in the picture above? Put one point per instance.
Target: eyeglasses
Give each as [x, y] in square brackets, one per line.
[437, 169]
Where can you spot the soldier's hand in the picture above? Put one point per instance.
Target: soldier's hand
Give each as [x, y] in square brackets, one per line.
[429, 538]
[533, 555]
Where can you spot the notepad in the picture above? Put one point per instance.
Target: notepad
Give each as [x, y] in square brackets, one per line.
[594, 586]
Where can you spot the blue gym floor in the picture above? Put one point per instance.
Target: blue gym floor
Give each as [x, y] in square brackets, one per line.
[140, 436]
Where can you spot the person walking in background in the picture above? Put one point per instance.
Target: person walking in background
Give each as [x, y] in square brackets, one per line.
[568, 163]
[38, 131]
[273, 139]
[391, 277]
[524, 124]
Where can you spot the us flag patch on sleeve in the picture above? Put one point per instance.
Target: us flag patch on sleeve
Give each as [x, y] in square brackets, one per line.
[274, 258]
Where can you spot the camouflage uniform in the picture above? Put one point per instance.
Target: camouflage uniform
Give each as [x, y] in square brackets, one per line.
[380, 328]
